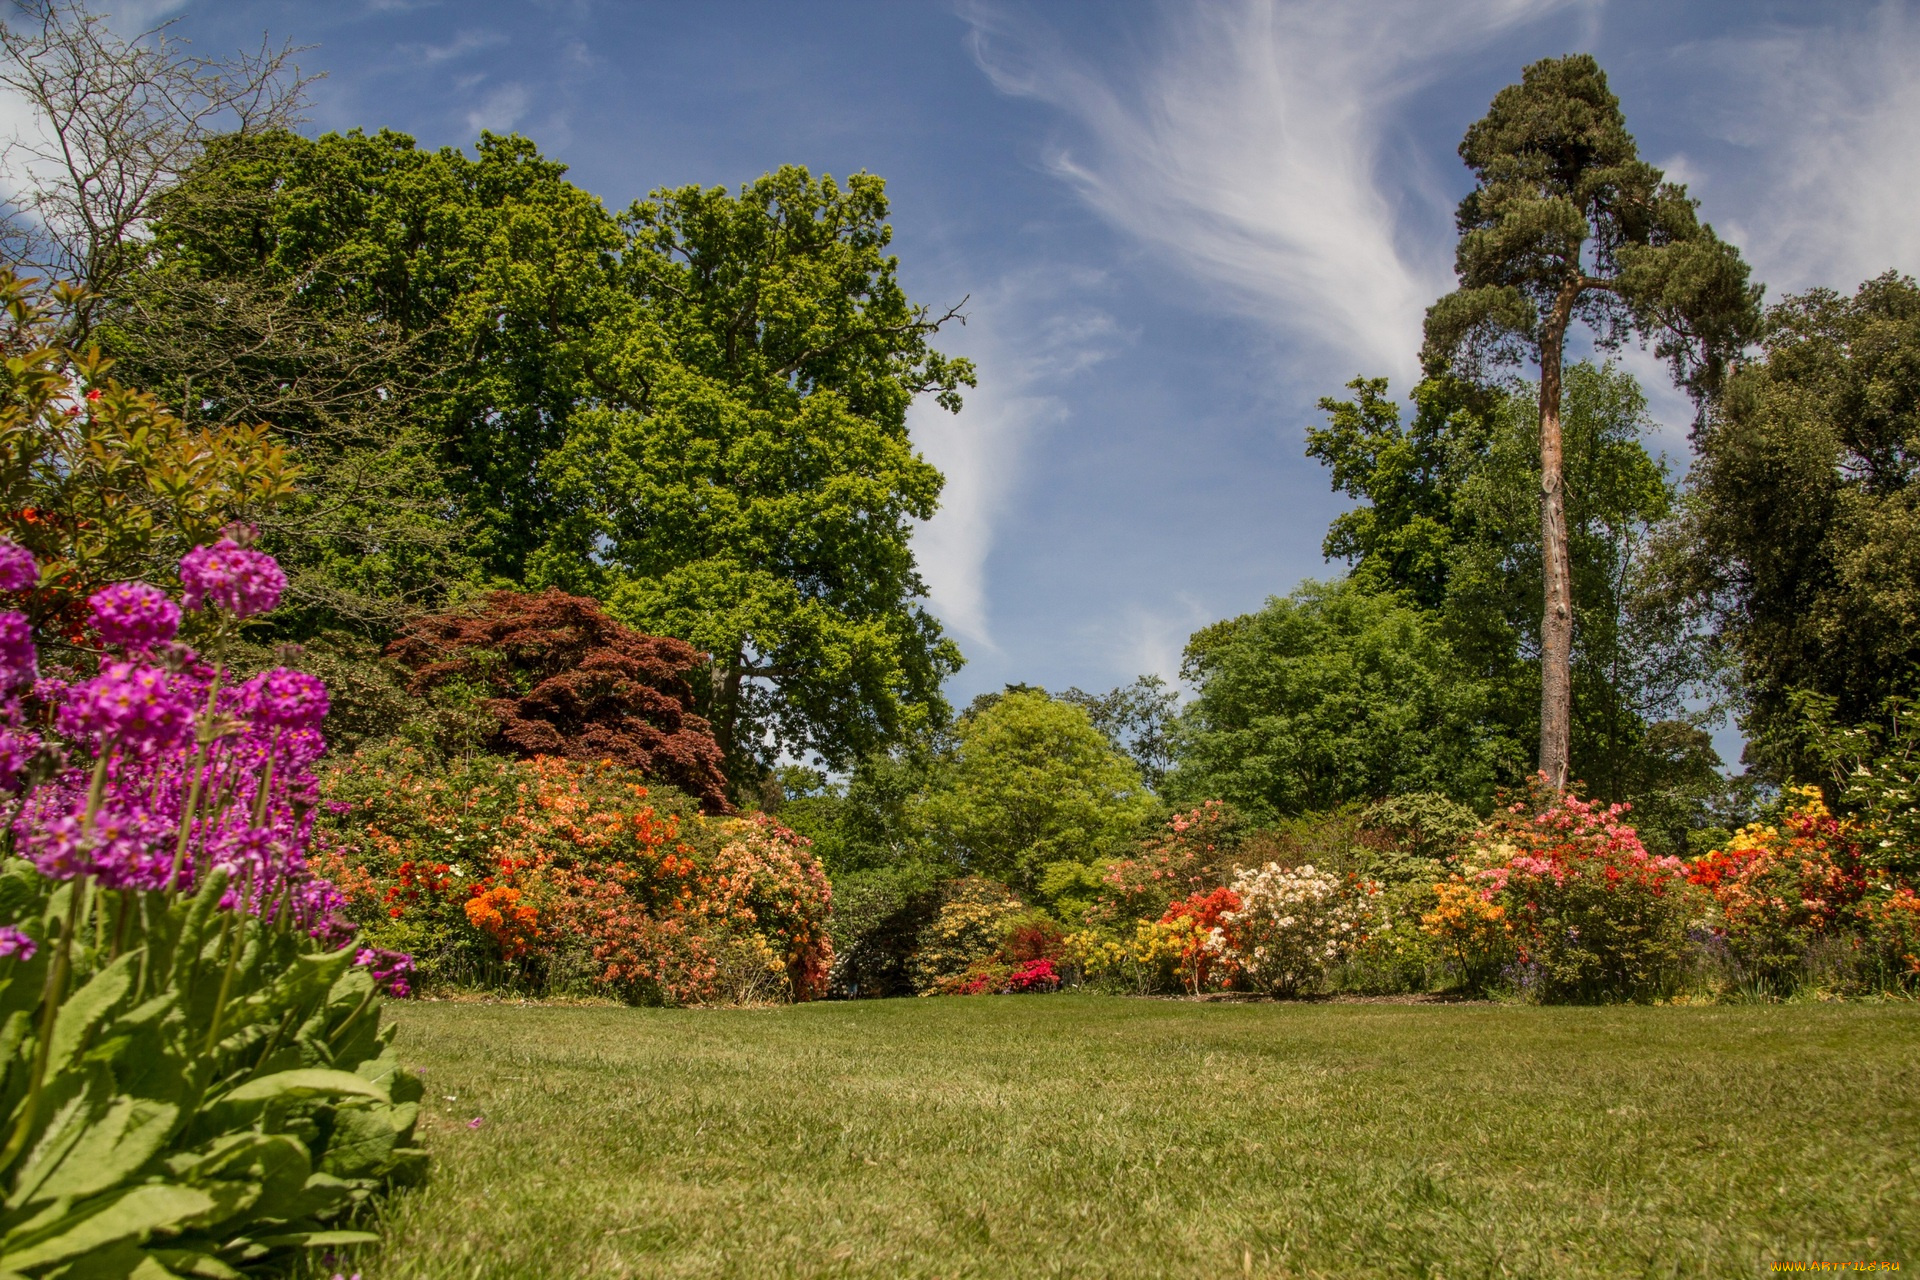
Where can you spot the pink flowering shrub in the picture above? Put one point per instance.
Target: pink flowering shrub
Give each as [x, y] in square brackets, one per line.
[1189, 855]
[1595, 916]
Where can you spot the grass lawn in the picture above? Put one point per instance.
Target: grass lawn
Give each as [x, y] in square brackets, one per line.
[1091, 1136]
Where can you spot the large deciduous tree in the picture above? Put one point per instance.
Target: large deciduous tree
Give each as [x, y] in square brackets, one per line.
[1805, 516]
[1333, 694]
[1567, 223]
[744, 478]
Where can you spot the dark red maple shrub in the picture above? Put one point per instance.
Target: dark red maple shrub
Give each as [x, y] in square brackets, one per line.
[570, 681]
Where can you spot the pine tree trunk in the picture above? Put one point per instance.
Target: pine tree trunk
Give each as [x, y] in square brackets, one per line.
[1556, 625]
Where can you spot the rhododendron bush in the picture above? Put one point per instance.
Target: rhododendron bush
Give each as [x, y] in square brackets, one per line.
[1293, 924]
[193, 1071]
[556, 874]
[1777, 888]
[1595, 916]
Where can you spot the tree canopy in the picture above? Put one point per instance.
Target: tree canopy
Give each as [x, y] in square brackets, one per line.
[744, 478]
[1566, 222]
[1804, 525]
[1332, 694]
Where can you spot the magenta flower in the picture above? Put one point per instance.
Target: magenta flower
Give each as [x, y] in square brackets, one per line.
[17, 569]
[134, 615]
[15, 945]
[132, 703]
[231, 577]
[131, 849]
[286, 699]
[19, 661]
[55, 845]
[17, 749]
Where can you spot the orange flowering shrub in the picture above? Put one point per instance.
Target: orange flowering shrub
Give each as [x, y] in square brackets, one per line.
[1892, 926]
[1207, 960]
[1473, 931]
[1776, 888]
[497, 913]
[554, 874]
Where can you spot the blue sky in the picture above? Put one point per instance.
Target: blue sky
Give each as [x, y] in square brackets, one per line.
[1177, 225]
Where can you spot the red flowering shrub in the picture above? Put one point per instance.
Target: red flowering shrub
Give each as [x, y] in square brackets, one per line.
[1034, 976]
[573, 874]
[1596, 916]
[1206, 962]
[1778, 888]
[567, 680]
[1189, 856]
[1028, 957]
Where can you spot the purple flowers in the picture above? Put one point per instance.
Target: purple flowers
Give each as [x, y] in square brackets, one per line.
[287, 699]
[391, 970]
[19, 662]
[231, 577]
[134, 615]
[17, 749]
[130, 703]
[17, 570]
[146, 806]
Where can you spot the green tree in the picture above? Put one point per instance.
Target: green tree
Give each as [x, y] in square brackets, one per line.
[1566, 222]
[413, 320]
[1804, 519]
[1404, 536]
[1032, 794]
[1333, 694]
[1451, 521]
[744, 478]
[1134, 717]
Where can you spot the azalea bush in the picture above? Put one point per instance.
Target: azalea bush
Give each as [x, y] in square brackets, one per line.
[193, 1073]
[564, 875]
[974, 919]
[1293, 924]
[1471, 930]
[1779, 888]
[1595, 916]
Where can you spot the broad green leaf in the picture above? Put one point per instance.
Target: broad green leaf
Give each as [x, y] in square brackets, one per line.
[133, 1214]
[82, 1011]
[193, 1262]
[307, 1082]
[318, 1239]
[115, 1147]
[363, 1138]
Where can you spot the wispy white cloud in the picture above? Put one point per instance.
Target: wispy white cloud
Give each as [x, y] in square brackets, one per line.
[500, 109]
[463, 44]
[1829, 121]
[1029, 337]
[1249, 148]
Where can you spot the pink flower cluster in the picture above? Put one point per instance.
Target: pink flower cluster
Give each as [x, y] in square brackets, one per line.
[242, 581]
[17, 569]
[134, 615]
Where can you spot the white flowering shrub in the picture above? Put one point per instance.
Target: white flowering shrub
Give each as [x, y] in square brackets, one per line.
[1293, 923]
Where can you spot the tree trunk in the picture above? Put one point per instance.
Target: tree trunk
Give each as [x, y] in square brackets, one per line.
[726, 703]
[1556, 624]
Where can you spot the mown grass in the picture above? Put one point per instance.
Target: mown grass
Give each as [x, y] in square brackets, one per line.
[1089, 1136]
